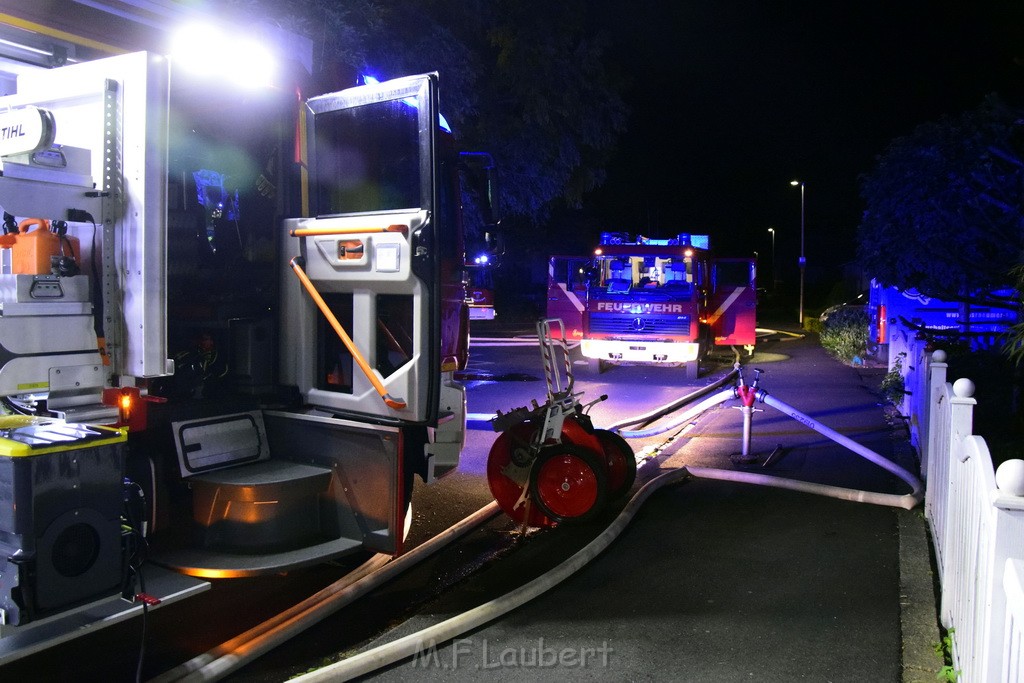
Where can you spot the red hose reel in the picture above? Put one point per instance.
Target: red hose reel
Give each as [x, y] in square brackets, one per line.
[566, 480]
[549, 464]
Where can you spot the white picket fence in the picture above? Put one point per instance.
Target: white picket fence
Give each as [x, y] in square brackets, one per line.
[977, 528]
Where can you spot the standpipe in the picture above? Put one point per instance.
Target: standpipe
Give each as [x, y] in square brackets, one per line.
[749, 395]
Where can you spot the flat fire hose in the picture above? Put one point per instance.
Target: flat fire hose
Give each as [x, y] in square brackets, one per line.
[396, 403]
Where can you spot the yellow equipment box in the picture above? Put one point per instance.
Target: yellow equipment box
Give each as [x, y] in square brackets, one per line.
[61, 500]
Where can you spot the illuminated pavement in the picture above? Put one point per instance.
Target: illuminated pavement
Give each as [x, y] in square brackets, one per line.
[712, 581]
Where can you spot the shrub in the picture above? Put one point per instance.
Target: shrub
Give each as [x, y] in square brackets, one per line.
[893, 386]
[844, 334]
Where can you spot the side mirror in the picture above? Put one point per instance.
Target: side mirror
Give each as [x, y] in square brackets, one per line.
[479, 179]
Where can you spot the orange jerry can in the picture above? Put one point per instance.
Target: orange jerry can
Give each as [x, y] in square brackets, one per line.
[35, 245]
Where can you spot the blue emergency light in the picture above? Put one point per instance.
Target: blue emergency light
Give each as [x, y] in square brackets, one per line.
[683, 239]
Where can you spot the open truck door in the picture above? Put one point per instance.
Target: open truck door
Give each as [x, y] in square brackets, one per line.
[732, 309]
[361, 301]
[567, 293]
[366, 340]
[371, 304]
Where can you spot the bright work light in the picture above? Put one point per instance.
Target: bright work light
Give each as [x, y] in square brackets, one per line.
[207, 51]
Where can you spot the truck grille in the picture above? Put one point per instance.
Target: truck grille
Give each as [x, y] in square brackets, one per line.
[647, 325]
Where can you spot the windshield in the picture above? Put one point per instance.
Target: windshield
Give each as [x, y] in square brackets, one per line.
[623, 274]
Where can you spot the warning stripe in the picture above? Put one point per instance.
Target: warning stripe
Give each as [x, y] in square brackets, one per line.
[575, 300]
[713, 318]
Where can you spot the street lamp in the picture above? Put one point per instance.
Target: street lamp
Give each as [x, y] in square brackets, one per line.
[772, 231]
[803, 261]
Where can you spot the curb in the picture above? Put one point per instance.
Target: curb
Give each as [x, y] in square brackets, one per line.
[919, 622]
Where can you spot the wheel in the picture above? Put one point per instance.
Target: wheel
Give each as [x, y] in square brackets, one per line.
[692, 369]
[568, 482]
[508, 475]
[578, 430]
[703, 350]
[620, 461]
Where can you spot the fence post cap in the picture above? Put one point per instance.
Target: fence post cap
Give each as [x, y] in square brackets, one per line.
[963, 388]
[1010, 477]
[939, 356]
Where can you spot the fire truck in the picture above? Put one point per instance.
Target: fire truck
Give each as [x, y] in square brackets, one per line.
[653, 301]
[230, 323]
[908, 311]
[480, 289]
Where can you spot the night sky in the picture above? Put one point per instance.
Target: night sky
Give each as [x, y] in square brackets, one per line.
[732, 100]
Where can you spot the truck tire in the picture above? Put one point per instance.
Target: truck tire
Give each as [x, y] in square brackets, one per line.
[693, 369]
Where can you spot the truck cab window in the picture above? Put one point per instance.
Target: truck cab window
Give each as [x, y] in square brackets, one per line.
[367, 159]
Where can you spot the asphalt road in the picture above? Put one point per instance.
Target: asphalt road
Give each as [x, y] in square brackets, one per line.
[711, 581]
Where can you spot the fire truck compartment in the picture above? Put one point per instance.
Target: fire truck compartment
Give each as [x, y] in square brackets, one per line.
[327, 487]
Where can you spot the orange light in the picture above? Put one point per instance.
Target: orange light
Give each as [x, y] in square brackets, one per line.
[124, 405]
[688, 253]
[131, 405]
[598, 252]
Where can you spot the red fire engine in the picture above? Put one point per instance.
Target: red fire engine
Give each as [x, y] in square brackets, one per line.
[658, 301]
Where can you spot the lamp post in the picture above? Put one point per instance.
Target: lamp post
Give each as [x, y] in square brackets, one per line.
[803, 260]
[772, 231]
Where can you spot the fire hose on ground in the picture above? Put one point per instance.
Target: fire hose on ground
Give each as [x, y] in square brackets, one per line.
[672, 406]
[225, 659]
[751, 394]
[408, 646]
[236, 653]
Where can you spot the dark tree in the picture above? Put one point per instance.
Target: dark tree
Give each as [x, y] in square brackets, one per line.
[944, 207]
[549, 104]
[524, 80]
